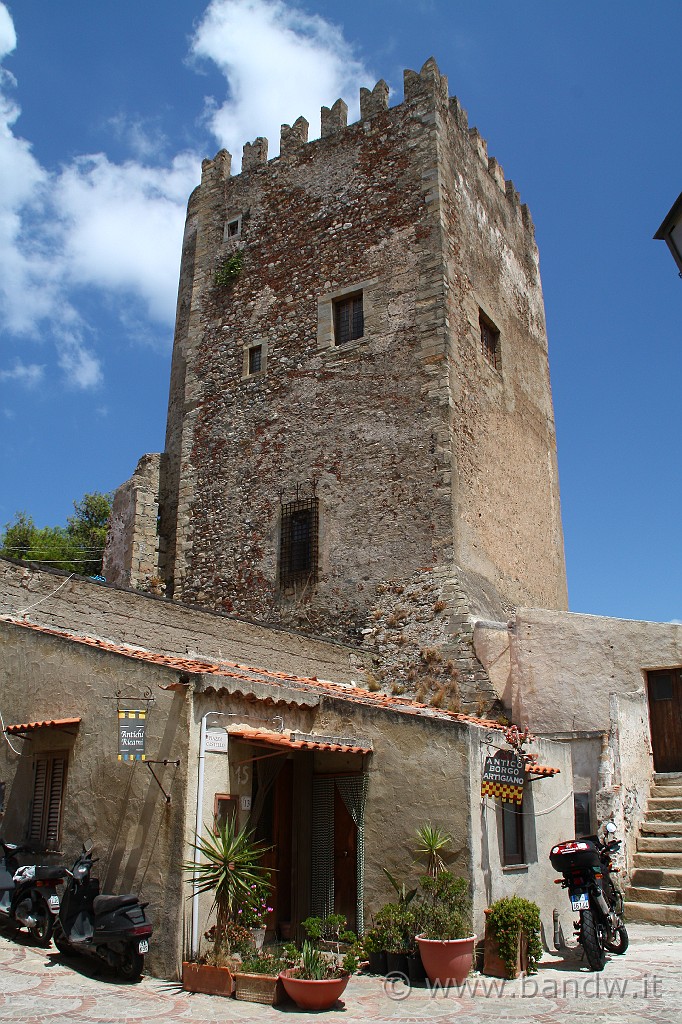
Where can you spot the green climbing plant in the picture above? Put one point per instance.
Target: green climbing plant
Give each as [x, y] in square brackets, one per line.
[507, 918]
[229, 270]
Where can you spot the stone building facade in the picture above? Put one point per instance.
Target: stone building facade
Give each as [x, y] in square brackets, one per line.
[360, 438]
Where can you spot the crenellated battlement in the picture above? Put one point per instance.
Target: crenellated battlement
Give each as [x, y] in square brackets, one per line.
[427, 86]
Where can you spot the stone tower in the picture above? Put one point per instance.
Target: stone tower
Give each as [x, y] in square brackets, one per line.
[360, 436]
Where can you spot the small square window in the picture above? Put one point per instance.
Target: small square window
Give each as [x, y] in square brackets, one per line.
[349, 320]
[255, 359]
[490, 340]
[225, 808]
[233, 228]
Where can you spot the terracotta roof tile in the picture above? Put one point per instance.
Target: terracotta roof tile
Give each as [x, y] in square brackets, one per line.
[542, 770]
[50, 723]
[279, 739]
[250, 674]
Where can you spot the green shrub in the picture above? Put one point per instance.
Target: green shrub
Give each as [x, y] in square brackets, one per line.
[507, 918]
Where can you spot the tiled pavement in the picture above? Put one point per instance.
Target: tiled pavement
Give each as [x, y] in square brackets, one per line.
[642, 987]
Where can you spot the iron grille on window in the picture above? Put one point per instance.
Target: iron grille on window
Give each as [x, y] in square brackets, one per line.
[490, 341]
[349, 321]
[298, 542]
[255, 359]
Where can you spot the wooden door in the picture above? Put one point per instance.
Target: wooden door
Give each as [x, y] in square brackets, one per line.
[345, 862]
[665, 716]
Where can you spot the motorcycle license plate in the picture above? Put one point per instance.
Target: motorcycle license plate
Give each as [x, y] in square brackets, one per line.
[580, 901]
[53, 901]
[143, 946]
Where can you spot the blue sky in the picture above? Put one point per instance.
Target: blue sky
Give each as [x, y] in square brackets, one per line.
[106, 111]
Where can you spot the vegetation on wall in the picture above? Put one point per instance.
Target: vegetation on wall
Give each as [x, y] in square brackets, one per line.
[229, 270]
[77, 547]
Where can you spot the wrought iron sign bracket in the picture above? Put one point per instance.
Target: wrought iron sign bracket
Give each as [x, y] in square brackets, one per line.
[156, 778]
[146, 698]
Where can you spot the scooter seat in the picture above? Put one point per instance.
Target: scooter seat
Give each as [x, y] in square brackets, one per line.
[50, 872]
[107, 904]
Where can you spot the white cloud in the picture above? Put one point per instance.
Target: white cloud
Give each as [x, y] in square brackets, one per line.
[279, 63]
[117, 228]
[29, 374]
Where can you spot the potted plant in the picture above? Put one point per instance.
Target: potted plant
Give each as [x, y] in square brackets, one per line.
[253, 911]
[317, 981]
[431, 842]
[512, 938]
[446, 942]
[396, 923]
[374, 948]
[228, 871]
[257, 980]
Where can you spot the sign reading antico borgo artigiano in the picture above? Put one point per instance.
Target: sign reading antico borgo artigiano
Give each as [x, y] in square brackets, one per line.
[131, 733]
[503, 777]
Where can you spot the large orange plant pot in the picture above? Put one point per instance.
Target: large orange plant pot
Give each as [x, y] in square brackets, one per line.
[447, 961]
[313, 995]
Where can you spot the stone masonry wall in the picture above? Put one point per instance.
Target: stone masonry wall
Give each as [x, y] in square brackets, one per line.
[416, 458]
[131, 555]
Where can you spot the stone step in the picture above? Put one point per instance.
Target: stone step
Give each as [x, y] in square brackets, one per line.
[664, 814]
[658, 860]
[665, 803]
[657, 878]
[668, 778]
[653, 913]
[659, 844]
[674, 789]
[661, 828]
[639, 894]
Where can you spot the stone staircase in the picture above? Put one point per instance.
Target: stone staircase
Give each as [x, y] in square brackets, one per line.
[655, 892]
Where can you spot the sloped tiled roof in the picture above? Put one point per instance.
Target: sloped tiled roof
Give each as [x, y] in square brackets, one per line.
[290, 742]
[50, 723]
[250, 675]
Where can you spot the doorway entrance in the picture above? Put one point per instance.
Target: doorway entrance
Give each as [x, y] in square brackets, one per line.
[665, 717]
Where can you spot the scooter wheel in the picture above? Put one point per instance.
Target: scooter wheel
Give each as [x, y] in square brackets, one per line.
[42, 929]
[130, 965]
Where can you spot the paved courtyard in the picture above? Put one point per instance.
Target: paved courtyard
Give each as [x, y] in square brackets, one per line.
[41, 987]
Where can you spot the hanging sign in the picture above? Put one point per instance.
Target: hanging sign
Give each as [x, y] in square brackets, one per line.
[503, 777]
[216, 741]
[131, 732]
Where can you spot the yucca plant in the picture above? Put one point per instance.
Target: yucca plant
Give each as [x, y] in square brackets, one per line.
[229, 869]
[431, 840]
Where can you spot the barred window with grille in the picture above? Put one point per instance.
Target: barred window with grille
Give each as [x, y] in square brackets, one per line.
[44, 827]
[298, 543]
[490, 340]
[349, 320]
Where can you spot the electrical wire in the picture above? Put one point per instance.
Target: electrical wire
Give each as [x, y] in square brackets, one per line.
[22, 611]
[2, 722]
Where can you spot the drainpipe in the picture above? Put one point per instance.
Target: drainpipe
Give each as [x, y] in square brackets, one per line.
[199, 820]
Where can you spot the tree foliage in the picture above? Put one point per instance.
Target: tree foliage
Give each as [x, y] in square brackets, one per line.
[77, 547]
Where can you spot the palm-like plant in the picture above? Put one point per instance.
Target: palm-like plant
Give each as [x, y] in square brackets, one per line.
[432, 839]
[229, 870]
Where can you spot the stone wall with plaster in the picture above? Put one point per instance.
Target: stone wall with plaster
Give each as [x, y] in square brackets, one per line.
[138, 836]
[131, 555]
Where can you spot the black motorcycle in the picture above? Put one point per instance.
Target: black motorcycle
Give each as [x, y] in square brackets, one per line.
[588, 874]
[110, 928]
[28, 893]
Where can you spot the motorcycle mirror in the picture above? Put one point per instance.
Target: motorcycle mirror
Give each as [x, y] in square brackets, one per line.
[610, 827]
[88, 846]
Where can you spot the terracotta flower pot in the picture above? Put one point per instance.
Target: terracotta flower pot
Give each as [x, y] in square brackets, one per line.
[212, 981]
[447, 961]
[313, 995]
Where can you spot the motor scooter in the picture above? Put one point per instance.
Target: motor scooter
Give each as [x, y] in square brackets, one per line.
[28, 893]
[110, 928]
[589, 876]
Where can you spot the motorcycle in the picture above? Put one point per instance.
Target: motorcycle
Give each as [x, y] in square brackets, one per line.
[110, 928]
[588, 874]
[28, 893]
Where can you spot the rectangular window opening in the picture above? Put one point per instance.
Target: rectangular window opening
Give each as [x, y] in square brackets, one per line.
[490, 340]
[225, 809]
[349, 320]
[512, 833]
[233, 228]
[298, 543]
[44, 826]
[255, 359]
